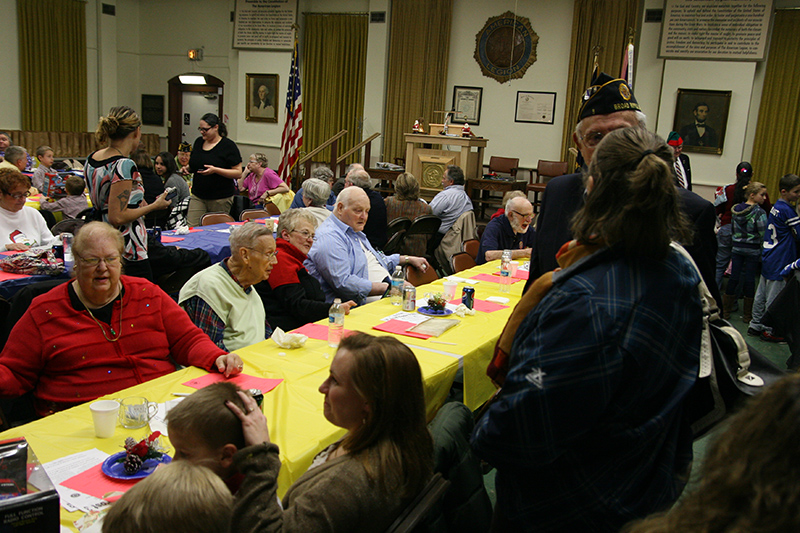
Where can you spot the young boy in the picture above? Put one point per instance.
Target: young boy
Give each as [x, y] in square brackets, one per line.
[179, 497]
[46, 156]
[204, 431]
[72, 204]
[779, 249]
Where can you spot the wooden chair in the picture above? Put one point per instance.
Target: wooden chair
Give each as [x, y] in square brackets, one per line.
[392, 246]
[215, 218]
[250, 214]
[417, 277]
[471, 246]
[400, 223]
[545, 171]
[420, 506]
[504, 165]
[461, 261]
[422, 225]
[272, 209]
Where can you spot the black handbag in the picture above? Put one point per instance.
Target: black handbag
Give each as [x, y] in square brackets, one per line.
[730, 370]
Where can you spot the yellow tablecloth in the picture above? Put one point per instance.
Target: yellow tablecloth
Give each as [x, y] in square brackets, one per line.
[294, 409]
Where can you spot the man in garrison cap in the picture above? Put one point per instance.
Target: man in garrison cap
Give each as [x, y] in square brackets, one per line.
[609, 104]
[683, 170]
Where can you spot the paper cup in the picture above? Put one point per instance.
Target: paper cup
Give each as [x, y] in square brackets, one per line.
[450, 290]
[514, 267]
[104, 415]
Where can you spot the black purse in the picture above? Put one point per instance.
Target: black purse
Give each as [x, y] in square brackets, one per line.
[730, 370]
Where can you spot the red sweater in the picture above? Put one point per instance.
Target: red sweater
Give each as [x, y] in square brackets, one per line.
[61, 354]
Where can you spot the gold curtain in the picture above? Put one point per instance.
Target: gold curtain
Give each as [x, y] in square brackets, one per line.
[603, 23]
[52, 61]
[334, 75]
[776, 147]
[419, 46]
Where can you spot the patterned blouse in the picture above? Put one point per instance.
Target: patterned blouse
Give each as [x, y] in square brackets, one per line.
[100, 176]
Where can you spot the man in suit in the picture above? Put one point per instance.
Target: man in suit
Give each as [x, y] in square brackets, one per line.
[700, 133]
[683, 170]
[605, 109]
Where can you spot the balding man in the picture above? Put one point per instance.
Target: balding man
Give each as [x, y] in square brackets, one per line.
[510, 231]
[376, 226]
[342, 259]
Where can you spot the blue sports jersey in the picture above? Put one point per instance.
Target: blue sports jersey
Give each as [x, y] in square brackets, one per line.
[780, 246]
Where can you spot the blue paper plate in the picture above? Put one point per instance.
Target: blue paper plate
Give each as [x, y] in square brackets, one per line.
[427, 310]
[112, 468]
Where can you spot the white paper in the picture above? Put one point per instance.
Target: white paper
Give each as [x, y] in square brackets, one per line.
[159, 420]
[226, 230]
[406, 316]
[463, 280]
[72, 465]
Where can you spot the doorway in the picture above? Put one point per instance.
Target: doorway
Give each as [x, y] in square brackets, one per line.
[187, 103]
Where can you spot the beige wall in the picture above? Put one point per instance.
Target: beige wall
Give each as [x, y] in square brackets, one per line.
[146, 43]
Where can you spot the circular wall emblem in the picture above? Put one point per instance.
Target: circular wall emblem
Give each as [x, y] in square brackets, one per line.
[506, 47]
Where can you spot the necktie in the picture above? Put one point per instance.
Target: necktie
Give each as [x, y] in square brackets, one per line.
[680, 174]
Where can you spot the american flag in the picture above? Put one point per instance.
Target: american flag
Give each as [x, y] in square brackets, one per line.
[292, 137]
[627, 65]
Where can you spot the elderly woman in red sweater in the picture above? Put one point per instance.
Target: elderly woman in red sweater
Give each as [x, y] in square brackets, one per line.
[292, 297]
[101, 332]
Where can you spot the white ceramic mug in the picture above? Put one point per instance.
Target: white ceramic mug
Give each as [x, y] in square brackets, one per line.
[104, 415]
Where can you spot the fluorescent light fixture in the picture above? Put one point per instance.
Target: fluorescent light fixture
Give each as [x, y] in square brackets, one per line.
[188, 79]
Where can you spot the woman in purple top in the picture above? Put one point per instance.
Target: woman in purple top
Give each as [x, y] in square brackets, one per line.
[259, 181]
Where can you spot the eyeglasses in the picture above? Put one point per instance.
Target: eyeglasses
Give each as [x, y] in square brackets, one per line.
[305, 234]
[593, 139]
[204, 130]
[95, 261]
[270, 257]
[20, 195]
[528, 216]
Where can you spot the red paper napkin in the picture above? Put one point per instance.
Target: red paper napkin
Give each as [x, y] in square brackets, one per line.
[235, 223]
[95, 483]
[483, 305]
[10, 252]
[167, 238]
[317, 331]
[4, 276]
[493, 279]
[519, 274]
[399, 327]
[243, 381]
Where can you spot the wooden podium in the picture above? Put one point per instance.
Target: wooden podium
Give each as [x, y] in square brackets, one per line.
[427, 156]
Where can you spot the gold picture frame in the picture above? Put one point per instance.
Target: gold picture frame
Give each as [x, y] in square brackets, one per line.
[261, 92]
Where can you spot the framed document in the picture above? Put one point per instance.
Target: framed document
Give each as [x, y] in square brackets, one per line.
[535, 107]
[467, 105]
[260, 92]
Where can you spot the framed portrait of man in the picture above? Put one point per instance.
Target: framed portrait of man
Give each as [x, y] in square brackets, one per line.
[701, 118]
[261, 92]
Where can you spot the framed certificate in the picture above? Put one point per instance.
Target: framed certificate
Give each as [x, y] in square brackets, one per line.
[467, 105]
[535, 107]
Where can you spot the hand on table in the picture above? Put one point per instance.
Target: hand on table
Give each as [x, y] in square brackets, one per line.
[348, 305]
[254, 423]
[420, 263]
[17, 246]
[229, 364]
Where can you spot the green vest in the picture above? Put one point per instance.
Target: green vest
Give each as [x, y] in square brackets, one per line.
[243, 314]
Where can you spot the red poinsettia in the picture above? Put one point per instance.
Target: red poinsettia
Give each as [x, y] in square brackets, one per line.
[149, 448]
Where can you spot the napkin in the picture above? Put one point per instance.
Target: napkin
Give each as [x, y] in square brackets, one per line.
[288, 340]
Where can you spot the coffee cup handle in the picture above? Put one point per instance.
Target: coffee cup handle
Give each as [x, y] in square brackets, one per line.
[151, 414]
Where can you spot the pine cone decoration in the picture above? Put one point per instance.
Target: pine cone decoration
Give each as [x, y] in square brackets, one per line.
[129, 443]
[133, 463]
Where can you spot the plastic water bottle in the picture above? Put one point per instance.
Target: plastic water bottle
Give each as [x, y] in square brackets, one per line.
[66, 240]
[335, 323]
[398, 281]
[505, 271]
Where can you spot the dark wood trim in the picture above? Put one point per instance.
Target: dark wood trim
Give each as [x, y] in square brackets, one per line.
[175, 115]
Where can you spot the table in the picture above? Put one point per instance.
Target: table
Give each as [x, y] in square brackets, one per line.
[212, 238]
[294, 408]
[485, 186]
[386, 178]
